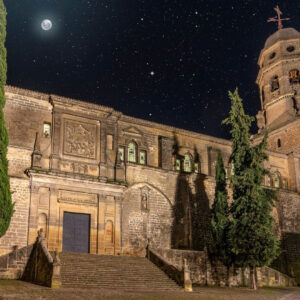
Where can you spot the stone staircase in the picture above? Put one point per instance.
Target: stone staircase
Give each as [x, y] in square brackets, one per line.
[113, 272]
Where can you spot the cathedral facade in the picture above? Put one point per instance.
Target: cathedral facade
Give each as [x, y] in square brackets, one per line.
[98, 181]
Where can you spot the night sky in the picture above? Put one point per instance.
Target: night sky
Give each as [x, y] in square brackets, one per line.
[169, 61]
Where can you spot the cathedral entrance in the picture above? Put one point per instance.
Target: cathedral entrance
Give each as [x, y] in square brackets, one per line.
[76, 232]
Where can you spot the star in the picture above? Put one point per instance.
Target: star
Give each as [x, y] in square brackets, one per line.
[152, 73]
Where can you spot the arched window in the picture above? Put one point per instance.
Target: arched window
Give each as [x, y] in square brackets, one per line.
[132, 152]
[294, 76]
[277, 180]
[187, 164]
[274, 84]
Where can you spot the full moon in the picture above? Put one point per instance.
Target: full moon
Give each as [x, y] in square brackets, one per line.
[46, 25]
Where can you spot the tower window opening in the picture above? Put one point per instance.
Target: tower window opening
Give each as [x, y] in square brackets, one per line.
[274, 84]
[294, 76]
[290, 48]
[279, 143]
[272, 55]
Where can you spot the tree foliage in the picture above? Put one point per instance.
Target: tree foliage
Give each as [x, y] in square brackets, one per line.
[251, 237]
[6, 205]
[220, 221]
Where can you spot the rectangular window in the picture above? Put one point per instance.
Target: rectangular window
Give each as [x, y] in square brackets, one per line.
[196, 168]
[143, 157]
[177, 165]
[109, 142]
[47, 130]
[121, 153]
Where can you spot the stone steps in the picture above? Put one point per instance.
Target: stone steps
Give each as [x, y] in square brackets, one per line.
[113, 272]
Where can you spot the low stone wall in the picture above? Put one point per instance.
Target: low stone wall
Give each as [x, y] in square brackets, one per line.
[33, 263]
[269, 277]
[205, 272]
[12, 265]
[41, 267]
[174, 272]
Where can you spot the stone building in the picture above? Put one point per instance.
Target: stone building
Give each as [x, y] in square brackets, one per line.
[98, 181]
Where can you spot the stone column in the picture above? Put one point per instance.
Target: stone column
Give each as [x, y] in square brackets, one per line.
[33, 213]
[56, 140]
[118, 233]
[53, 238]
[101, 225]
[187, 277]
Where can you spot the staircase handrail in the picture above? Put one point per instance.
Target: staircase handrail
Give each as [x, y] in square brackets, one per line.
[42, 268]
[41, 240]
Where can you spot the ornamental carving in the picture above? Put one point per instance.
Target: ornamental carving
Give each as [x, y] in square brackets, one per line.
[80, 139]
[78, 198]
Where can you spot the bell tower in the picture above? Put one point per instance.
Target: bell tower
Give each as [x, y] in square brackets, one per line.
[279, 80]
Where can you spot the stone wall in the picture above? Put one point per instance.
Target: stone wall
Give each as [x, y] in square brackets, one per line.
[289, 139]
[290, 258]
[146, 217]
[12, 265]
[289, 204]
[18, 231]
[213, 273]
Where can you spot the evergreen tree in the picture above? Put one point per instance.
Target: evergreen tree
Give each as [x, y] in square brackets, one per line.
[220, 221]
[251, 237]
[6, 206]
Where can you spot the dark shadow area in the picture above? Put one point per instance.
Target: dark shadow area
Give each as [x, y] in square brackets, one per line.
[191, 211]
[289, 260]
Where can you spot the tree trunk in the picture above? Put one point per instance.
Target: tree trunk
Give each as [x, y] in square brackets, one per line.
[253, 278]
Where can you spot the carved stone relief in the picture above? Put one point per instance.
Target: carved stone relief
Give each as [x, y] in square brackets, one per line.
[80, 139]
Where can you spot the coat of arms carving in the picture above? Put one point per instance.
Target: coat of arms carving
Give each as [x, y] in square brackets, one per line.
[80, 139]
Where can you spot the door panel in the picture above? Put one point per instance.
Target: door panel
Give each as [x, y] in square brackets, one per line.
[76, 232]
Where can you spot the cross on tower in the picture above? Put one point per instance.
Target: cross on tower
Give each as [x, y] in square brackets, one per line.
[278, 18]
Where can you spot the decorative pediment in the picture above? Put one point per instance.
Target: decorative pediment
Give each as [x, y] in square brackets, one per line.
[133, 131]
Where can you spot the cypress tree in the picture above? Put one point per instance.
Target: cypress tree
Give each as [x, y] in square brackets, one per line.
[220, 221]
[6, 205]
[252, 241]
